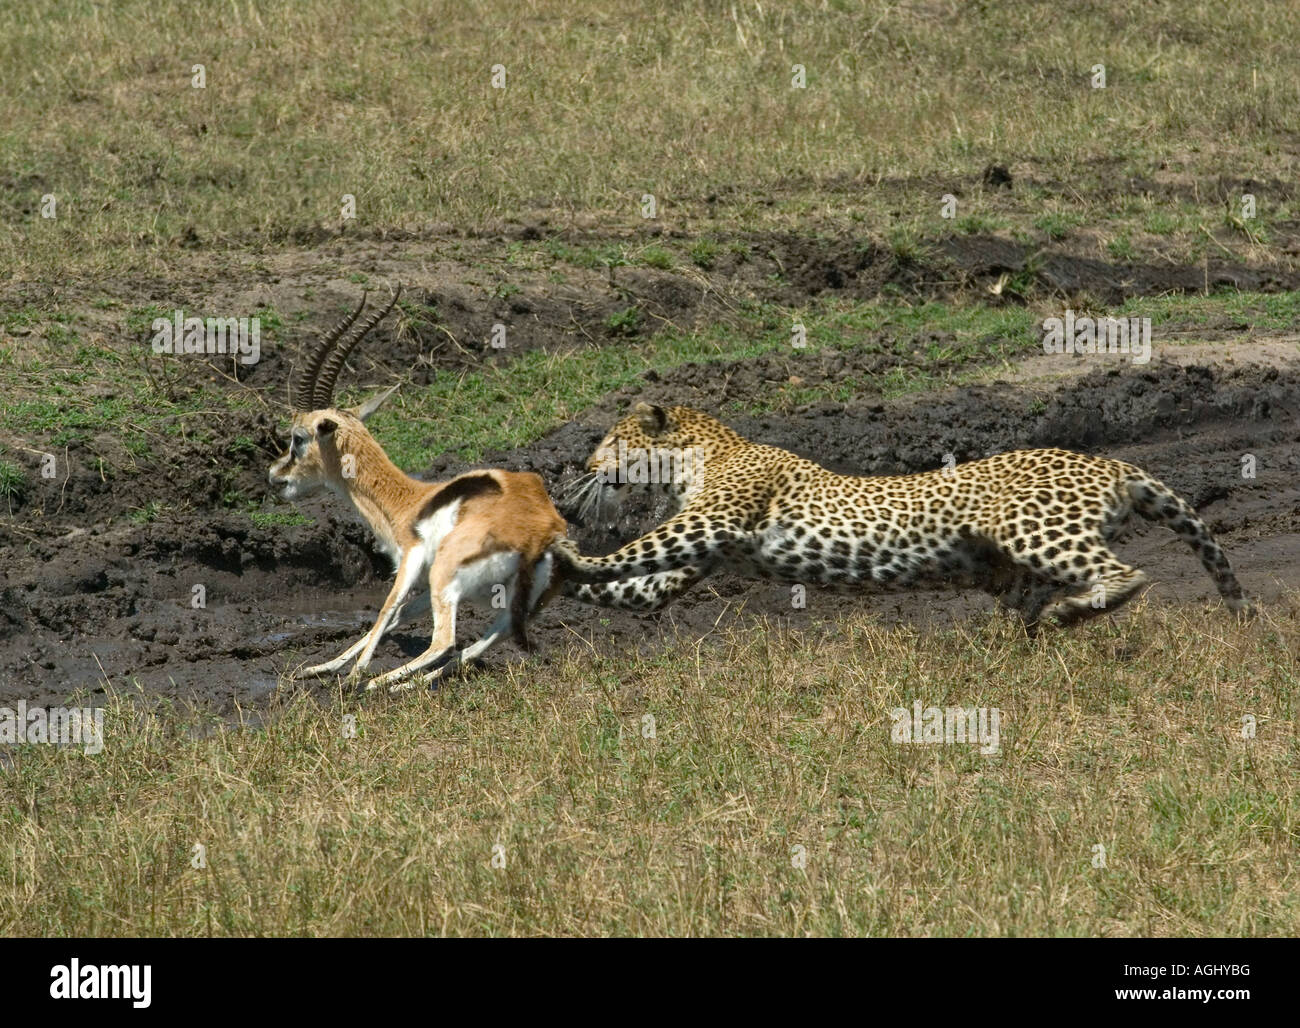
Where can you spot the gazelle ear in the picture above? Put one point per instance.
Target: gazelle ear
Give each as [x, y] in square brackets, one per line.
[373, 404]
[652, 419]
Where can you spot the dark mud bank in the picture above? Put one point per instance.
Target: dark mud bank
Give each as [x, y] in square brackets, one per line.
[114, 603]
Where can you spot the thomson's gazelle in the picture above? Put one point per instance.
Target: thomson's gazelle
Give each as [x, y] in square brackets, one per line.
[481, 536]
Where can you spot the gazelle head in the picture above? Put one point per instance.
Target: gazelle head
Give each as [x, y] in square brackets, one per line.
[320, 431]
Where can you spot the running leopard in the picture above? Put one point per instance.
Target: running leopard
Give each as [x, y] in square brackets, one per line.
[1031, 527]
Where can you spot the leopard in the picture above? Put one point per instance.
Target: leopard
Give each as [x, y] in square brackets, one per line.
[1030, 527]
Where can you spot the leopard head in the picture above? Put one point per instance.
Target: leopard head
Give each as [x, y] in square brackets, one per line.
[662, 450]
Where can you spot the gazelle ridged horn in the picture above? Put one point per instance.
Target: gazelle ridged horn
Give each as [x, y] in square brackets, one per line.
[323, 390]
[303, 384]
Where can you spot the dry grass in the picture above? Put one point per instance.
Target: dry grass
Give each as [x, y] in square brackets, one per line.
[608, 99]
[1125, 734]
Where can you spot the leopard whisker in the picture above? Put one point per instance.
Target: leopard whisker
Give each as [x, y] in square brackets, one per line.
[577, 487]
[577, 495]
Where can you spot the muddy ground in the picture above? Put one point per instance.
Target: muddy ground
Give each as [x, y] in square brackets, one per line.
[90, 599]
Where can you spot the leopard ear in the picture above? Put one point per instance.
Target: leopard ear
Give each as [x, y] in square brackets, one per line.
[652, 419]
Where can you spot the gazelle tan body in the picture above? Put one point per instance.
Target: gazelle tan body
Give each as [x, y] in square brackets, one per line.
[481, 537]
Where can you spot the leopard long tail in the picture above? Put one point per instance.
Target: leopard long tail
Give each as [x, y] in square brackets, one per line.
[1156, 502]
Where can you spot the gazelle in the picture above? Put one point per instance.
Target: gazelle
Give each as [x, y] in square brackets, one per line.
[479, 537]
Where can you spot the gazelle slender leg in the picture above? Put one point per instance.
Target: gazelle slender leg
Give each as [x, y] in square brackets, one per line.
[332, 665]
[411, 564]
[405, 612]
[409, 610]
[407, 572]
[501, 628]
[445, 596]
[436, 654]
[444, 660]
[513, 619]
[507, 622]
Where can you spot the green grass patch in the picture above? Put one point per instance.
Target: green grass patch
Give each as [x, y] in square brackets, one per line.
[704, 253]
[277, 518]
[13, 481]
[1057, 224]
[472, 413]
[657, 257]
[477, 412]
[1256, 312]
